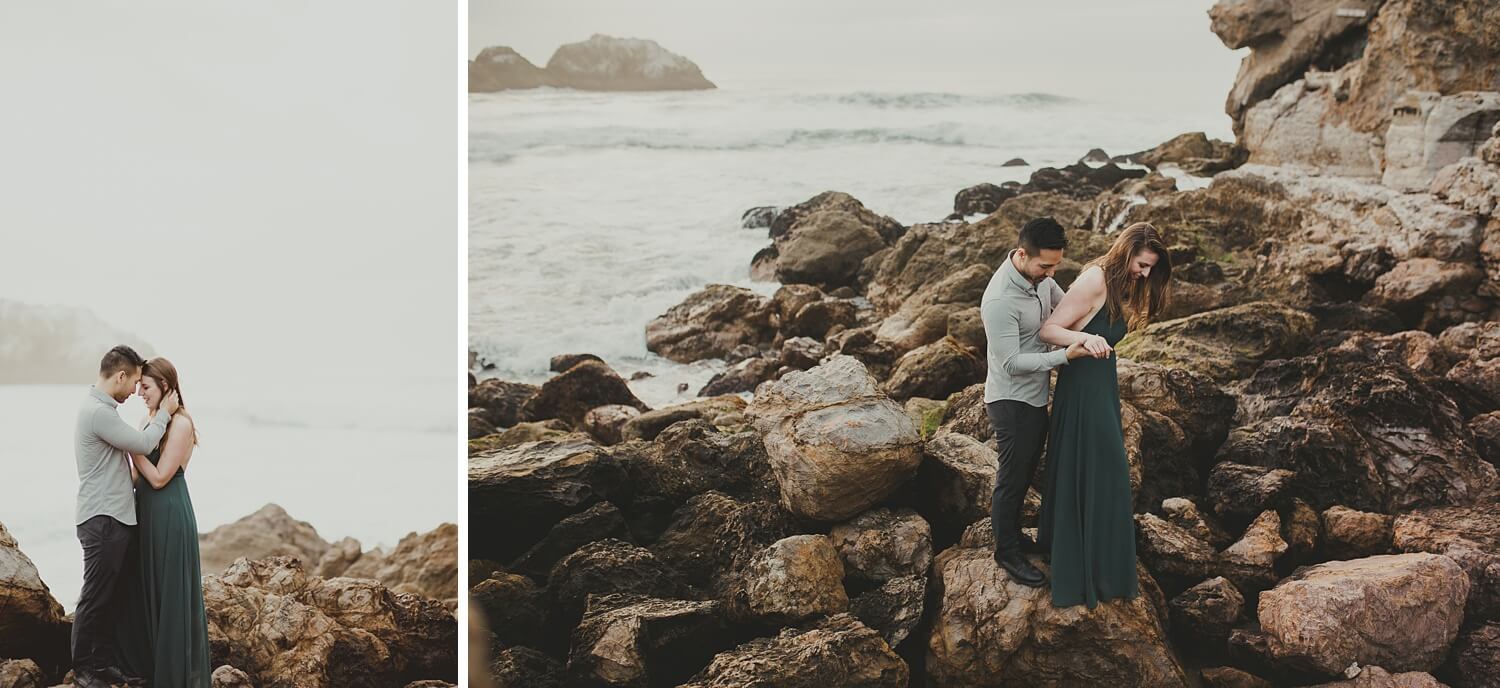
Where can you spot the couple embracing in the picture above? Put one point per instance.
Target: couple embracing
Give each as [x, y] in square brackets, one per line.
[140, 617]
[1032, 327]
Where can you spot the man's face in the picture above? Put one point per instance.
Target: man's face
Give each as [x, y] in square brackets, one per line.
[1036, 268]
[127, 382]
[1142, 263]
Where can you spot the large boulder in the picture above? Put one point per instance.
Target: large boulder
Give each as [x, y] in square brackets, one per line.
[713, 538]
[883, 544]
[285, 628]
[824, 240]
[836, 443]
[990, 630]
[833, 652]
[1205, 614]
[518, 493]
[1251, 561]
[935, 370]
[1223, 345]
[573, 393]
[31, 621]
[268, 532]
[712, 322]
[956, 481]
[1400, 611]
[1469, 535]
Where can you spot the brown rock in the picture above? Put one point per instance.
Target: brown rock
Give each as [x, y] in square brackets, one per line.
[988, 630]
[1350, 534]
[1486, 430]
[607, 423]
[523, 667]
[1400, 611]
[479, 424]
[572, 394]
[501, 401]
[713, 538]
[966, 414]
[823, 240]
[603, 568]
[881, 544]
[1204, 614]
[1241, 492]
[31, 621]
[562, 362]
[1475, 658]
[955, 483]
[229, 677]
[981, 199]
[743, 376]
[691, 457]
[794, 579]
[837, 444]
[1469, 535]
[1376, 677]
[21, 673]
[935, 370]
[521, 433]
[268, 532]
[894, 609]
[712, 322]
[517, 494]
[1301, 529]
[1225, 344]
[424, 564]
[514, 608]
[1230, 677]
[601, 521]
[1170, 552]
[1251, 561]
[1184, 514]
[835, 652]
[648, 425]
[627, 640]
[338, 558]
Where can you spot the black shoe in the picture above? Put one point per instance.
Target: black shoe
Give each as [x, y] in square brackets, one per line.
[115, 676]
[1030, 546]
[1019, 569]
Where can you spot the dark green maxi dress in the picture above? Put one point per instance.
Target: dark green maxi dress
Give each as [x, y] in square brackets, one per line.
[1086, 511]
[162, 633]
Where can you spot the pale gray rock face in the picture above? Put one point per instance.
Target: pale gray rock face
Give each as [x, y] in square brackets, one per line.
[1430, 131]
[601, 63]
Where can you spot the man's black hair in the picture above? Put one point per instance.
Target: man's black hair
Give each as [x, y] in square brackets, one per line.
[1042, 233]
[120, 358]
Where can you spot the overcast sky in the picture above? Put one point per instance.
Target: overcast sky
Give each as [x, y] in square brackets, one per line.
[256, 182]
[1159, 49]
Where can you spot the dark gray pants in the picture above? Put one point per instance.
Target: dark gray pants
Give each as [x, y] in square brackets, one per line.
[1020, 431]
[104, 543]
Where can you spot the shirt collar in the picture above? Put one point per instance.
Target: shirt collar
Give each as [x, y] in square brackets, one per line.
[101, 396]
[1015, 276]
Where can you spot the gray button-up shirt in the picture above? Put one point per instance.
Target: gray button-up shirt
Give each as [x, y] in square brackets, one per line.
[1013, 311]
[102, 443]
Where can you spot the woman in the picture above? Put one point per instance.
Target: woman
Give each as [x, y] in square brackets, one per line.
[163, 631]
[1086, 511]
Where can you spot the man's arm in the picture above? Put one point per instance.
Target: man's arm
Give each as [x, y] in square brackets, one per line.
[112, 429]
[1002, 328]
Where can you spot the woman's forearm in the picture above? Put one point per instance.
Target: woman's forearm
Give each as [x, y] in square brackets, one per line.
[1057, 335]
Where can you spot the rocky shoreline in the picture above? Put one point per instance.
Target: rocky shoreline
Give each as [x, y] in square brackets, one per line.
[1313, 433]
[285, 608]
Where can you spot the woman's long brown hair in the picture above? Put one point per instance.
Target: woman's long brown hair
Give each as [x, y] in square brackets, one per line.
[165, 374]
[1139, 301]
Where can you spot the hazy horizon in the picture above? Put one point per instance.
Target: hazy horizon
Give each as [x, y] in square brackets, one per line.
[1160, 50]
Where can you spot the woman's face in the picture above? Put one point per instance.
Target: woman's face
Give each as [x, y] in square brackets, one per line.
[1141, 264]
[151, 391]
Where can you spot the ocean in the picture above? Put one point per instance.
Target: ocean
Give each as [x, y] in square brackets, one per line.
[592, 213]
[351, 457]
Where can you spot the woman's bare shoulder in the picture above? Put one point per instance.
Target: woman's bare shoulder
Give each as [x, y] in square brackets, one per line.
[1090, 280]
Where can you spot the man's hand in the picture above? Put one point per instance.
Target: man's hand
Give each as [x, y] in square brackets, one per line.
[1097, 346]
[1076, 351]
[170, 404]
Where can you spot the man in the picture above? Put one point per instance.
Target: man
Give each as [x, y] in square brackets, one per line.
[1019, 298]
[102, 444]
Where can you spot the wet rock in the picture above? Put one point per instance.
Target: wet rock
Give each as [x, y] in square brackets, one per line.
[801, 353]
[1399, 611]
[501, 401]
[523, 667]
[31, 621]
[883, 544]
[602, 568]
[836, 652]
[648, 425]
[966, 414]
[894, 609]
[710, 323]
[627, 640]
[479, 424]
[759, 217]
[517, 494]
[713, 537]
[1203, 615]
[1243, 492]
[1171, 553]
[1230, 677]
[692, 457]
[521, 433]
[572, 394]
[982, 199]
[837, 444]
[601, 521]
[562, 362]
[744, 376]
[514, 608]
[823, 240]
